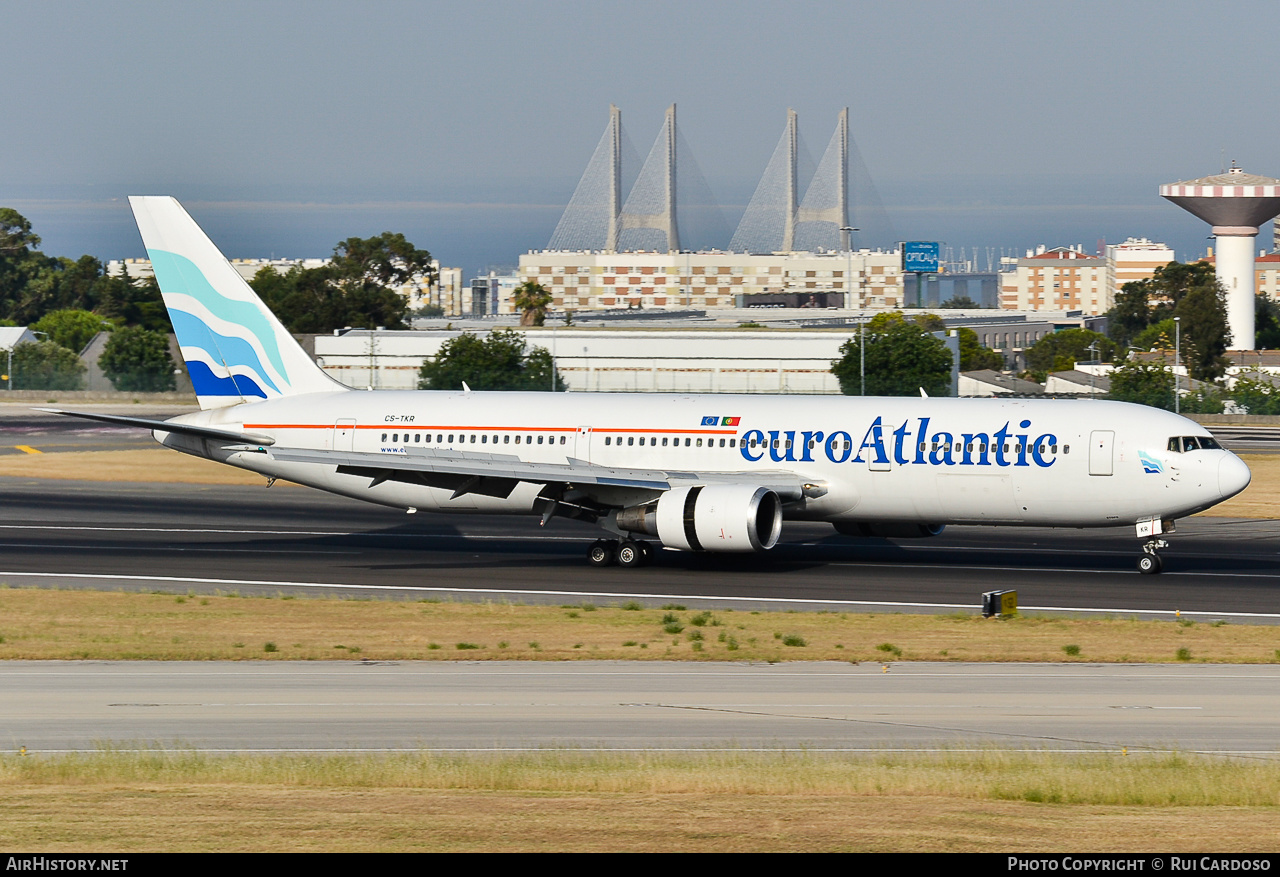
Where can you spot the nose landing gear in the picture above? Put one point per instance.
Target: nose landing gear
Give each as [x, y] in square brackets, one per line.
[1149, 563]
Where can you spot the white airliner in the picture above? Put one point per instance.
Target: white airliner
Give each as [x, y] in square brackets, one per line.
[698, 473]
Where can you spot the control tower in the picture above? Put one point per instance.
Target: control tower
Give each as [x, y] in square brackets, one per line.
[1235, 204]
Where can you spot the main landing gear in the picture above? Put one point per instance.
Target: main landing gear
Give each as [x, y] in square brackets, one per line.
[628, 553]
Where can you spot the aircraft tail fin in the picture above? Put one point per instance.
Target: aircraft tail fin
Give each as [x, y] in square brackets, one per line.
[235, 348]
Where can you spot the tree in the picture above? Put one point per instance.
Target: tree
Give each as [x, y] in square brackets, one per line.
[1157, 336]
[1266, 315]
[44, 365]
[901, 359]
[133, 303]
[960, 302]
[385, 260]
[1059, 351]
[974, 356]
[531, 300]
[1203, 314]
[1146, 383]
[353, 290]
[137, 360]
[1187, 290]
[498, 361]
[1131, 313]
[73, 329]
[16, 236]
[1256, 396]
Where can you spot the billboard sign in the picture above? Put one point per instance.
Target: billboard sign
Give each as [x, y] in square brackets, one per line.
[920, 257]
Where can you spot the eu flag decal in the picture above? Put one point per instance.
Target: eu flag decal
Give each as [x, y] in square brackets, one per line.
[711, 421]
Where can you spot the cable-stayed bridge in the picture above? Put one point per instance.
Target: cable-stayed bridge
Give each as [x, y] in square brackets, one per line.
[669, 197]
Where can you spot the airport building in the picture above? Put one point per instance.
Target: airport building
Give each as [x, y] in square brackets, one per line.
[603, 280]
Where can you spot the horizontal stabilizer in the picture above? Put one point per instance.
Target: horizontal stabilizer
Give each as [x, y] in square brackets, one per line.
[207, 432]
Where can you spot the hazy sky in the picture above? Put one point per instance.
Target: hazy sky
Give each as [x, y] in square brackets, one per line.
[286, 126]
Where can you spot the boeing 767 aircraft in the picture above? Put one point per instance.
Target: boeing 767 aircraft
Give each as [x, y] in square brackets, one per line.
[696, 473]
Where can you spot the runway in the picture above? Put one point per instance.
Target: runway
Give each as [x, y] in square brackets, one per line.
[53, 707]
[294, 540]
[290, 540]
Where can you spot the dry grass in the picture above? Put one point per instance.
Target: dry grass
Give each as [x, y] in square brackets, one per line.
[52, 624]
[158, 465]
[1261, 499]
[994, 801]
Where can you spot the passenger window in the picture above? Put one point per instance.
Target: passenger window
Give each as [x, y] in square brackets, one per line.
[606, 440]
[664, 442]
[417, 438]
[630, 441]
[384, 436]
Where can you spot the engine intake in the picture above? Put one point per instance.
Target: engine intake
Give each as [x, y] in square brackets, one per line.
[716, 517]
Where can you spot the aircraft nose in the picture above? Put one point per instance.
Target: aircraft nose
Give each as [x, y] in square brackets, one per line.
[1233, 476]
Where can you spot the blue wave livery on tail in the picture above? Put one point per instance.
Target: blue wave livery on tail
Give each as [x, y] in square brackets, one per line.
[235, 348]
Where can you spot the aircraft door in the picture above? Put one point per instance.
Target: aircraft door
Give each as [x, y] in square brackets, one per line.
[1101, 444]
[344, 435]
[880, 457]
[582, 444]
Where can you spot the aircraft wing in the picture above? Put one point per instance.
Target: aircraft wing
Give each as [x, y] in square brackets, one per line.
[498, 474]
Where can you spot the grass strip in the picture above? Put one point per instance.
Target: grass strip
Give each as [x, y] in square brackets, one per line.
[42, 624]
[993, 800]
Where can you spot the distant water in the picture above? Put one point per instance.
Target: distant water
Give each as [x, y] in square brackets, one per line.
[479, 236]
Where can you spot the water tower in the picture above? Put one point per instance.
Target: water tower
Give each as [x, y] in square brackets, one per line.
[1235, 204]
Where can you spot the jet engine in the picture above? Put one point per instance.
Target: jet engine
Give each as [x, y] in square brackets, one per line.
[888, 531]
[714, 517]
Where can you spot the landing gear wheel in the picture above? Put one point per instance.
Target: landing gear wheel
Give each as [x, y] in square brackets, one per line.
[602, 552]
[631, 554]
[1150, 564]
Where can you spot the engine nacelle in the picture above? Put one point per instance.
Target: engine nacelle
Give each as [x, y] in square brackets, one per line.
[889, 530]
[715, 517]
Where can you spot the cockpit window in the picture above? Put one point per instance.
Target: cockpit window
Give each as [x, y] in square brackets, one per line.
[1182, 444]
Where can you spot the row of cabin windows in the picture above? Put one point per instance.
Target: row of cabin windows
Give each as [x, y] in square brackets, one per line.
[667, 441]
[417, 438]
[1187, 443]
[982, 447]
